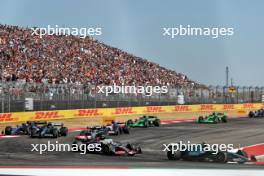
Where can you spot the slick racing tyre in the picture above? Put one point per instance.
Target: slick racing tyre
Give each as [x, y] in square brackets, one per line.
[125, 130]
[33, 133]
[120, 130]
[64, 131]
[176, 155]
[217, 120]
[251, 114]
[146, 124]
[156, 122]
[117, 132]
[27, 131]
[106, 150]
[55, 133]
[130, 146]
[129, 122]
[8, 130]
[224, 119]
[138, 149]
[200, 119]
[221, 157]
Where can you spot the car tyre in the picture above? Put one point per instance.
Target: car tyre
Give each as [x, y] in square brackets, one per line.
[146, 124]
[106, 150]
[55, 133]
[126, 130]
[64, 131]
[200, 119]
[33, 133]
[156, 123]
[174, 156]
[221, 157]
[8, 130]
[224, 119]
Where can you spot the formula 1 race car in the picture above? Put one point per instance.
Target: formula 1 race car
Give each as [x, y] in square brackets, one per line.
[22, 129]
[144, 121]
[200, 154]
[213, 118]
[117, 128]
[89, 135]
[114, 148]
[258, 113]
[101, 130]
[44, 129]
[108, 147]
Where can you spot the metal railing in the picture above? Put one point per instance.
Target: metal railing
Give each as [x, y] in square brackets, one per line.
[72, 96]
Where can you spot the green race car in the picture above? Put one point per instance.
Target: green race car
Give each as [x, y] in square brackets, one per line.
[213, 118]
[144, 121]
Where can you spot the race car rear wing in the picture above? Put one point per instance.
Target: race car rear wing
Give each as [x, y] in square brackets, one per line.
[57, 123]
[37, 122]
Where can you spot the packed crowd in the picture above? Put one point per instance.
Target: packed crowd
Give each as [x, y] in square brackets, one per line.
[72, 60]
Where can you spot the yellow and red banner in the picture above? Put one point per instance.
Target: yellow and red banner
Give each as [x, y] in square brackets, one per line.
[113, 112]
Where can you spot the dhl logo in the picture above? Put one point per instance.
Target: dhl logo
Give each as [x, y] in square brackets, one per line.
[181, 108]
[262, 106]
[88, 112]
[6, 117]
[128, 110]
[47, 115]
[207, 107]
[152, 109]
[248, 106]
[229, 107]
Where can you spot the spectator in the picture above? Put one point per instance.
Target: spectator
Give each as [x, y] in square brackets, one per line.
[71, 60]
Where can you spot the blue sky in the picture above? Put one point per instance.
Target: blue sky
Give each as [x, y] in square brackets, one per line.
[136, 27]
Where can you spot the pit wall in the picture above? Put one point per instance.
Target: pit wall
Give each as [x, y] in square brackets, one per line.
[177, 111]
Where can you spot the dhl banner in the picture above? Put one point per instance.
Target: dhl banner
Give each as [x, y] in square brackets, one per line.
[112, 112]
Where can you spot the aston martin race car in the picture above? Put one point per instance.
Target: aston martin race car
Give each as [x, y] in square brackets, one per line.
[144, 121]
[213, 118]
[44, 129]
[200, 154]
[258, 113]
[22, 129]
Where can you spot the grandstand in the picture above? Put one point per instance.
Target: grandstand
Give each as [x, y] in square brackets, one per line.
[63, 72]
[54, 59]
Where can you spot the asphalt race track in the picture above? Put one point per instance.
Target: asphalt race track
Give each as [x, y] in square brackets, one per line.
[240, 132]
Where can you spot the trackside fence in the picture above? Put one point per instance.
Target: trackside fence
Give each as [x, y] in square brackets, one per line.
[13, 96]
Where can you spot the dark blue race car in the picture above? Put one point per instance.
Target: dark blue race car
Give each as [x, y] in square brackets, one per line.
[42, 130]
[22, 129]
[258, 113]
